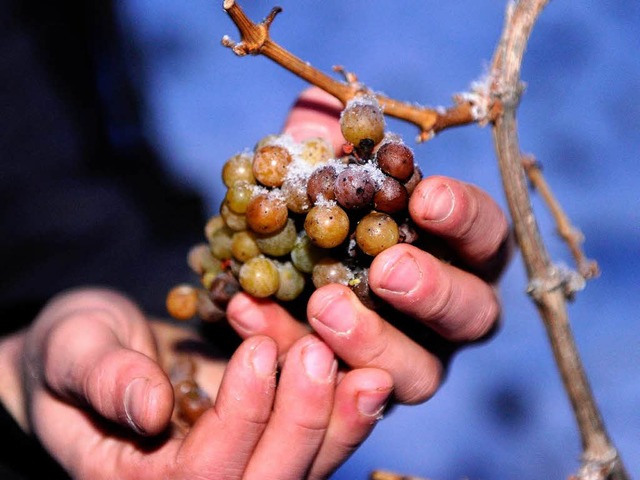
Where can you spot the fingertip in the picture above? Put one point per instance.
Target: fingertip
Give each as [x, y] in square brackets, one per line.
[148, 405]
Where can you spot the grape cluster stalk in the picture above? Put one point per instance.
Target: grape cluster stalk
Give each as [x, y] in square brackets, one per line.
[296, 217]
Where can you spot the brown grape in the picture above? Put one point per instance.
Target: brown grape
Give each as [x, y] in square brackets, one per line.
[321, 184]
[294, 190]
[329, 270]
[266, 213]
[391, 197]
[354, 187]
[376, 232]
[270, 165]
[327, 225]
[396, 159]
[182, 302]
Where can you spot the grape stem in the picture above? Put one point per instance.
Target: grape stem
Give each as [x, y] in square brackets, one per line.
[494, 101]
[255, 40]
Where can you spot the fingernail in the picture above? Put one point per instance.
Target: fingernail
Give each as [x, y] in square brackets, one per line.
[439, 203]
[336, 313]
[263, 358]
[135, 402]
[245, 317]
[371, 403]
[401, 275]
[319, 362]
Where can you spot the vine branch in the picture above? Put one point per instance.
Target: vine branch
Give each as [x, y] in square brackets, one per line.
[493, 101]
[600, 460]
[255, 40]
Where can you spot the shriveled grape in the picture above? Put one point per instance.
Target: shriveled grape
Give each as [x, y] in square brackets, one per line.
[355, 187]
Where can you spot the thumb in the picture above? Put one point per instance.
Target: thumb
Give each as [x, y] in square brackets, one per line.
[316, 114]
[94, 348]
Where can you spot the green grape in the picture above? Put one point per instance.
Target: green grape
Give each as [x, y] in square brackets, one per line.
[279, 243]
[327, 225]
[292, 282]
[212, 225]
[238, 168]
[376, 232]
[362, 119]
[201, 260]
[305, 254]
[238, 196]
[235, 221]
[259, 277]
[329, 270]
[220, 243]
[244, 246]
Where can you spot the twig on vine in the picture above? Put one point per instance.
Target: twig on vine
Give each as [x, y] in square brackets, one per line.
[255, 40]
[572, 236]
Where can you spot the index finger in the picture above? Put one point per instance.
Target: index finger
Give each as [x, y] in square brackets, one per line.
[471, 222]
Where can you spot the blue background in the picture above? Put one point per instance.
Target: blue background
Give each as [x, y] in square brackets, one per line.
[502, 413]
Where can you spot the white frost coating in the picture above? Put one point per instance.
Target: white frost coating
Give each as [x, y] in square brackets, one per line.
[374, 172]
[323, 202]
[479, 97]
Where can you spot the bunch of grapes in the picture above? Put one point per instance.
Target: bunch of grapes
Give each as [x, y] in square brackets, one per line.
[295, 217]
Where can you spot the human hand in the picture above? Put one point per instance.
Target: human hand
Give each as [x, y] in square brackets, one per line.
[437, 306]
[88, 379]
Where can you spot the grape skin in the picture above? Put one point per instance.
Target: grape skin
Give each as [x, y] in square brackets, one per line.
[376, 232]
[259, 277]
[327, 225]
[362, 119]
[266, 213]
[238, 168]
[354, 188]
